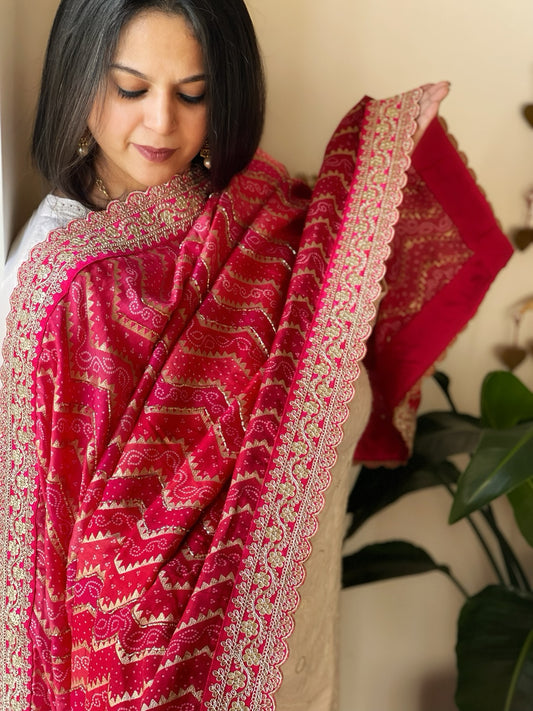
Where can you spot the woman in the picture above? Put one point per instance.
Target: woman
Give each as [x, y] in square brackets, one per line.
[180, 362]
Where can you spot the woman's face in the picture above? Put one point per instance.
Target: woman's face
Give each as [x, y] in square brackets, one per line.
[150, 120]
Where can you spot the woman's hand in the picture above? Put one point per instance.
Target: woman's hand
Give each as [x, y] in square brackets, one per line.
[432, 95]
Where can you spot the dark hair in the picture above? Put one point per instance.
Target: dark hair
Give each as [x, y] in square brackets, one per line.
[80, 50]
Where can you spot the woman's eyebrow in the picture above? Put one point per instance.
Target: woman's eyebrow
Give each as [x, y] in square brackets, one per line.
[135, 72]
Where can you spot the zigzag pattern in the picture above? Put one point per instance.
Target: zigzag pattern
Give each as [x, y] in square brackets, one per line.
[160, 384]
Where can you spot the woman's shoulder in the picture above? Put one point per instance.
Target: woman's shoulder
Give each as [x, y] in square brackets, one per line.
[52, 213]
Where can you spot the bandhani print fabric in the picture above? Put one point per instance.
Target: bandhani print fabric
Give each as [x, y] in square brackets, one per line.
[176, 377]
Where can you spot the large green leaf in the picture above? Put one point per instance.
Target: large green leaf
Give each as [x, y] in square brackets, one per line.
[493, 652]
[502, 461]
[505, 400]
[376, 489]
[440, 435]
[382, 561]
[521, 500]
[520, 690]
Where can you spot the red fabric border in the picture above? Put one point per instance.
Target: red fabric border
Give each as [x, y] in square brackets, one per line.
[413, 350]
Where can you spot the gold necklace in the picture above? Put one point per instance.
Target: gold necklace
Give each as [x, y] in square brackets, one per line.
[101, 187]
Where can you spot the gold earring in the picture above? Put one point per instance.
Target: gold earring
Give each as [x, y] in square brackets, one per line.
[84, 144]
[205, 154]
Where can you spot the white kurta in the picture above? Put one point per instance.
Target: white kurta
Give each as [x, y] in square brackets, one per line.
[310, 675]
[53, 212]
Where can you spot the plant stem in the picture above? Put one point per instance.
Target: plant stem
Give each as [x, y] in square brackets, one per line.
[480, 537]
[487, 550]
[512, 563]
[443, 382]
[519, 667]
[457, 584]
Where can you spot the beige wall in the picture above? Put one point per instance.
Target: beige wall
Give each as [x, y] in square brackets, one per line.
[24, 29]
[6, 117]
[321, 57]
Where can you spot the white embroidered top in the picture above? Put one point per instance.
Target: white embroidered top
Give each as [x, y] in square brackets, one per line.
[53, 212]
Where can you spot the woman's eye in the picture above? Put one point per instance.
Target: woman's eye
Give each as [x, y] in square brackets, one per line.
[191, 99]
[130, 94]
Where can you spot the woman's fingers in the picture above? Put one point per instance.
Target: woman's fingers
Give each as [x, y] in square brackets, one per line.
[432, 95]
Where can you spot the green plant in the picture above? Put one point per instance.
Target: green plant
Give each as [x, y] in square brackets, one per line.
[495, 627]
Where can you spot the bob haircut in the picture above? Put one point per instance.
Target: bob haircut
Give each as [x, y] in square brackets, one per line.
[80, 50]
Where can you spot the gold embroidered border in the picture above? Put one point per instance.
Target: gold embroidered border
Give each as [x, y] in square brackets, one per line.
[123, 228]
[247, 669]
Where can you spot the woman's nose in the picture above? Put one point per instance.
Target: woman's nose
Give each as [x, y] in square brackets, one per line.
[160, 115]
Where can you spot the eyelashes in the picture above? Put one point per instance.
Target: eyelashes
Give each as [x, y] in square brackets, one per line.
[191, 99]
[129, 94]
[186, 98]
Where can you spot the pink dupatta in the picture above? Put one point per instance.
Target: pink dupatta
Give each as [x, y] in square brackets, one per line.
[177, 374]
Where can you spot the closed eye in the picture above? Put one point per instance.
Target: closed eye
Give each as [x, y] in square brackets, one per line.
[187, 98]
[192, 99]
[130, 94]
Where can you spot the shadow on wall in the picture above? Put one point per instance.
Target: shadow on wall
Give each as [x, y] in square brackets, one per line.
[437, 691]
[32, 22]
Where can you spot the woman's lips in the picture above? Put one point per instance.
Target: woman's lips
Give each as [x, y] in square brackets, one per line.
[155, 155]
